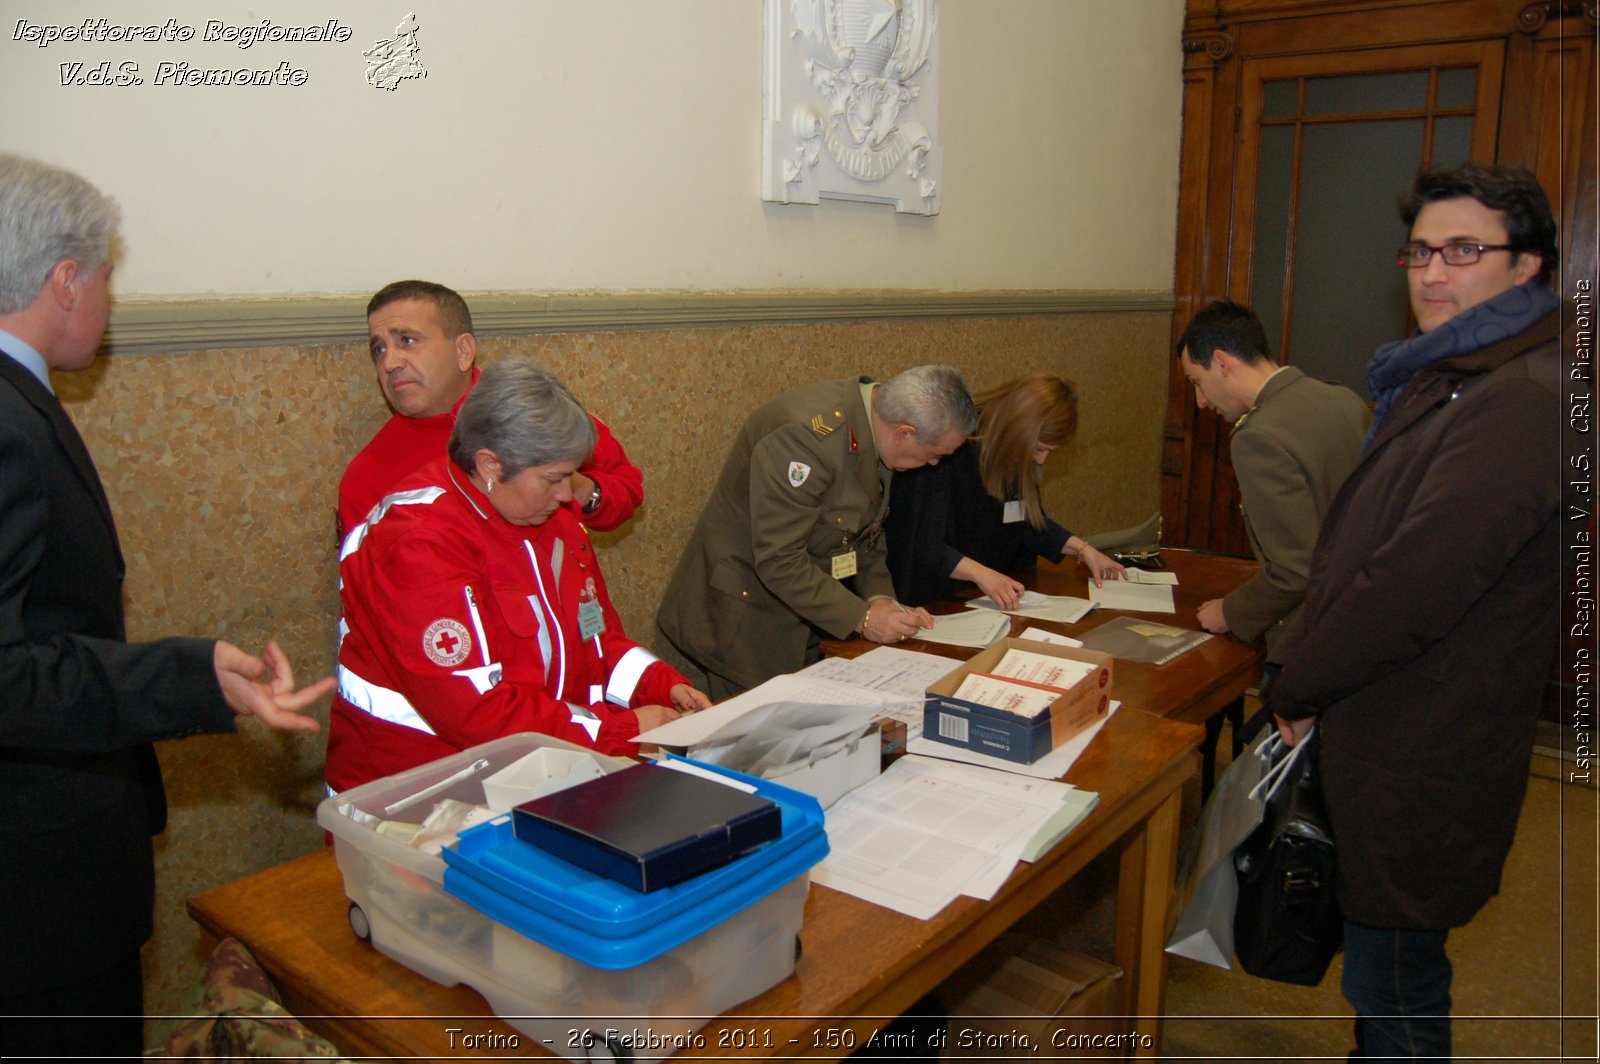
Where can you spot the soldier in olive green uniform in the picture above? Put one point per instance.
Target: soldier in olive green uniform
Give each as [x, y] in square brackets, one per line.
[789, 547]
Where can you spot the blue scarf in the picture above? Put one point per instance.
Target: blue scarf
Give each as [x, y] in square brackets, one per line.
[1491, 321]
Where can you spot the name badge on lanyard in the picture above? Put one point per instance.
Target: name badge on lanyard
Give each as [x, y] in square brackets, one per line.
[591, 618]
[1013, 512]
[844, 565]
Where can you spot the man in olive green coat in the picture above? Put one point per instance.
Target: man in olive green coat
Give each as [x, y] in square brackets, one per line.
[1293, 442]
[789, 547]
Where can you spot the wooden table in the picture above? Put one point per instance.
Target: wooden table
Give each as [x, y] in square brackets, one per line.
[1204, 686]
[861, 965]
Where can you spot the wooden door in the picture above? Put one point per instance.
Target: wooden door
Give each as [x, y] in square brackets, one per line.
[1303, 121]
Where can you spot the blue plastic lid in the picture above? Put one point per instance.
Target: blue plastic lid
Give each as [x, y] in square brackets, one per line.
[605, 924]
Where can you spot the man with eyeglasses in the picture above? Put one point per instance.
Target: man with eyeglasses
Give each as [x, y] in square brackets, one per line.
[1432, 614]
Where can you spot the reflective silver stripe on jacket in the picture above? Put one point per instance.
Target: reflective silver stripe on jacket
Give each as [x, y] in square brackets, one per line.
[386, 705]
[626, 676]
[352, 541]
[547, 625]
[584, 718]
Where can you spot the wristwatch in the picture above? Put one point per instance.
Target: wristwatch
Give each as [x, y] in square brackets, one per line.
[592, 503]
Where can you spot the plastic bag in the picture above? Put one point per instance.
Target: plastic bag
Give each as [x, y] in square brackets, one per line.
[1287, 925]
[1207, 884]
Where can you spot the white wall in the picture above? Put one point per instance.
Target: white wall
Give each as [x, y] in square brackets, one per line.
[601, 145]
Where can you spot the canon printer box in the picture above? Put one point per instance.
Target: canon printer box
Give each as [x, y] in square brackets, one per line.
[1008, 735]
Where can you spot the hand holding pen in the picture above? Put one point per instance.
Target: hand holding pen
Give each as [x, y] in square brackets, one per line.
[888, 621]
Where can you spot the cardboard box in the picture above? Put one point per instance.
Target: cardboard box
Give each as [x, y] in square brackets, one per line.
[1007, 735]
[1026, 996]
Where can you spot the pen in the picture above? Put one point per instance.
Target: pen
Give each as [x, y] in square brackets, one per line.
[428, 792]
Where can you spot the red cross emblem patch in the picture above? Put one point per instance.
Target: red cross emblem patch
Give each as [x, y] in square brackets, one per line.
[446, 643]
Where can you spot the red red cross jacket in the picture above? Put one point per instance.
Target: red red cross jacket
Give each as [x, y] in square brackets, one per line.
[460, 627]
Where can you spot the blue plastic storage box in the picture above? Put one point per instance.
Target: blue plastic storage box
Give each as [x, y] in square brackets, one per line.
[736, 936]
[605, 924]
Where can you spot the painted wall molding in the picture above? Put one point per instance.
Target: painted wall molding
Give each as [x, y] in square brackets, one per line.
[167, 326]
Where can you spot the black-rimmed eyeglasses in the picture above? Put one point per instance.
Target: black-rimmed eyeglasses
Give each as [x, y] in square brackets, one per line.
[1416, 255]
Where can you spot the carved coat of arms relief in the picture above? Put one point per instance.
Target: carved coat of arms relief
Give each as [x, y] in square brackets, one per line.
[852, 102]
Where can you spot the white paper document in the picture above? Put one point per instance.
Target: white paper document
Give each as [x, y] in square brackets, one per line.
[696, 728]
[1040, 635]
[1063, 609]
[1022, 699]
[1051, 766]
[1135, 597]
[888, 669]
[926, 832]
[1047, 669]
[891, 670]
[975, 628]
[1152, 576]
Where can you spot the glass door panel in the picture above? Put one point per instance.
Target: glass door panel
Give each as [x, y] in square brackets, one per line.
[1326, 144]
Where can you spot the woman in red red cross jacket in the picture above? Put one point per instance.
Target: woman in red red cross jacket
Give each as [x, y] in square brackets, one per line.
[473, 602]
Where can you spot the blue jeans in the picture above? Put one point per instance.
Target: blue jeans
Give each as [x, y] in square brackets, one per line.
[1399, 984]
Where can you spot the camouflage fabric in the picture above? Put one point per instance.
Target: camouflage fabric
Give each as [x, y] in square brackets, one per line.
[244, 1018]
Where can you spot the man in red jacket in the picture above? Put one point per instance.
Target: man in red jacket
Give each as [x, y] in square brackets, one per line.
[425, 354]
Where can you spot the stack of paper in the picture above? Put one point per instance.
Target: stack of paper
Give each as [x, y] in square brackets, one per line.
[1051, 671]
[1137, 597]
[926, 832]
[1024, 700]
[890, 671]
[976, 629]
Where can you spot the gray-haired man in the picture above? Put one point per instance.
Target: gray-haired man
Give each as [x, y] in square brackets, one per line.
[790, 545]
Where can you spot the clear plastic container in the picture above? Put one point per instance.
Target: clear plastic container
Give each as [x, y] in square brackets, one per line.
[646, 1011]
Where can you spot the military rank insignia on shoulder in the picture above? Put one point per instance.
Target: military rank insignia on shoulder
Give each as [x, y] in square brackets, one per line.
[822, 425]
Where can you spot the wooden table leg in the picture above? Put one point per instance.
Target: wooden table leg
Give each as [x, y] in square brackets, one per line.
[1234, 712]
[1144, 893]
[1208, 753]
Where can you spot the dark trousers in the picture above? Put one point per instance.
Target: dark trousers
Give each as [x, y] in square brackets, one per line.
[100, 1016]
[1399, 984]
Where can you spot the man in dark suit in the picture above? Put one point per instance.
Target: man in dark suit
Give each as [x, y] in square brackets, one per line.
[80, 788]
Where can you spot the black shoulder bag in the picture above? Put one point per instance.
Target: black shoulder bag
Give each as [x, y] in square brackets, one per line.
[1287, 925]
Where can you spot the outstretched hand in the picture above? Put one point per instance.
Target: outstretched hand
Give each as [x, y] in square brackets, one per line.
[1101, 568]
[264, 687]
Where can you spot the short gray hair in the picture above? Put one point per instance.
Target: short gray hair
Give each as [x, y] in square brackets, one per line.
[48, 214]
[931, 399]
[525, 415]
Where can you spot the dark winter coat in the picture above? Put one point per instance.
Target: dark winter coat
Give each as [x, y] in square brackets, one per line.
[1429, 627]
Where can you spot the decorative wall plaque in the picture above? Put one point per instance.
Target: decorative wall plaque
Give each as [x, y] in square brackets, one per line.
[852, 103]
